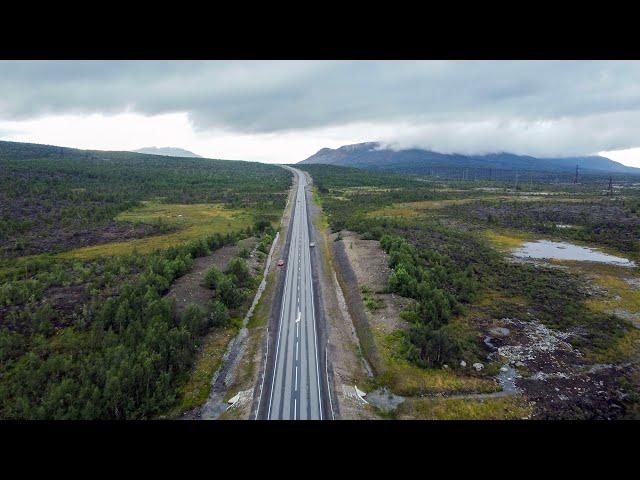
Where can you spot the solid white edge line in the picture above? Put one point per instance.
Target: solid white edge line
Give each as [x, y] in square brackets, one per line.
[275, 362]
[313, 311]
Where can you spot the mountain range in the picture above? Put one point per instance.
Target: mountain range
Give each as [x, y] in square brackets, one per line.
[373, 156]
[168, 152]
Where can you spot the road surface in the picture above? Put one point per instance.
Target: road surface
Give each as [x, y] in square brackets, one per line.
[294, 391]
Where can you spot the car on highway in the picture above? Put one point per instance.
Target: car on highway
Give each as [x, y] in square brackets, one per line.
[280, 263]
[312, 244]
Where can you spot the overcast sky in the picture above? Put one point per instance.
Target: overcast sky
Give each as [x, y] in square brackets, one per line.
[284, 111]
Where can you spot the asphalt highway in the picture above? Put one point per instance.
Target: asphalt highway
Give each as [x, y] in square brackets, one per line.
[294, 392]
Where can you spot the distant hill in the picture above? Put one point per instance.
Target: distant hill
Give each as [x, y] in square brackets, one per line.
[371, 156]
[168, 152]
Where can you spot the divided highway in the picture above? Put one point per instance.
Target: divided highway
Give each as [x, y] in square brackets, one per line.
[295, 388]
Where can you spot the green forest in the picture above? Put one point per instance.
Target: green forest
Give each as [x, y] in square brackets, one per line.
[85, 338]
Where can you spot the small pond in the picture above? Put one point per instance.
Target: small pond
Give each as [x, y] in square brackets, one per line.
[566, 251]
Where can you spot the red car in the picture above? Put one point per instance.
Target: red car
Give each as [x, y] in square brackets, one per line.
[280, 263]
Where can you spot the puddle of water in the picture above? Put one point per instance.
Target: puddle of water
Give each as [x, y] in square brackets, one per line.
[507, 378]
[384, 399]
[566, 251]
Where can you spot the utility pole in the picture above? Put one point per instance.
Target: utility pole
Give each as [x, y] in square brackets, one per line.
[610, 193]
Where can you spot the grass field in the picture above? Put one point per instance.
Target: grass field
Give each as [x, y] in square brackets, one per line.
[192, 221]
[500, 408]
[506, 241]
[414, 209]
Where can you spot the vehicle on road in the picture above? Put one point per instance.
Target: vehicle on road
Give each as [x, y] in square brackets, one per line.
[294, 388]
[312, 244]
[280, 263]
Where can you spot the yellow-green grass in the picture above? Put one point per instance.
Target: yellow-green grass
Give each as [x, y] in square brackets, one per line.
[623, 349]
[404, 378]
[496, 408]
[193, 221]
[367, 188]
[317, 199]
[506, 241]
[622, 295]
[196, 389]
[413, 209]
[493, 297]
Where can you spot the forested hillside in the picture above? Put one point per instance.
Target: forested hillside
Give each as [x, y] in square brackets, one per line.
[55, 198]
[91, 242]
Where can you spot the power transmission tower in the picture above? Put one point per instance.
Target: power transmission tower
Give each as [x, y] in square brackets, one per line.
[610, 192]
[575, 179]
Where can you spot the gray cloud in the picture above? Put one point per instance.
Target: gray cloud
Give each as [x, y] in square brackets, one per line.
[534, 107]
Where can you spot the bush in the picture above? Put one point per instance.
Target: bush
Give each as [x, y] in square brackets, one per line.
[429, 347]
[219, 316]
[212, 278]
[229, 293]
[194, 319]
[402, 283]
[265, 243]
[237, 267]
[262, 225]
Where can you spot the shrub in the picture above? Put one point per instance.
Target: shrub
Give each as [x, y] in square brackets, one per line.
[219, 316]
[238, 268]
[229, 293]
[194, 319]
[212, 278]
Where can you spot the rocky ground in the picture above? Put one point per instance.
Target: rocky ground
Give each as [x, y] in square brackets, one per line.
[552, 374]
[374, 275]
